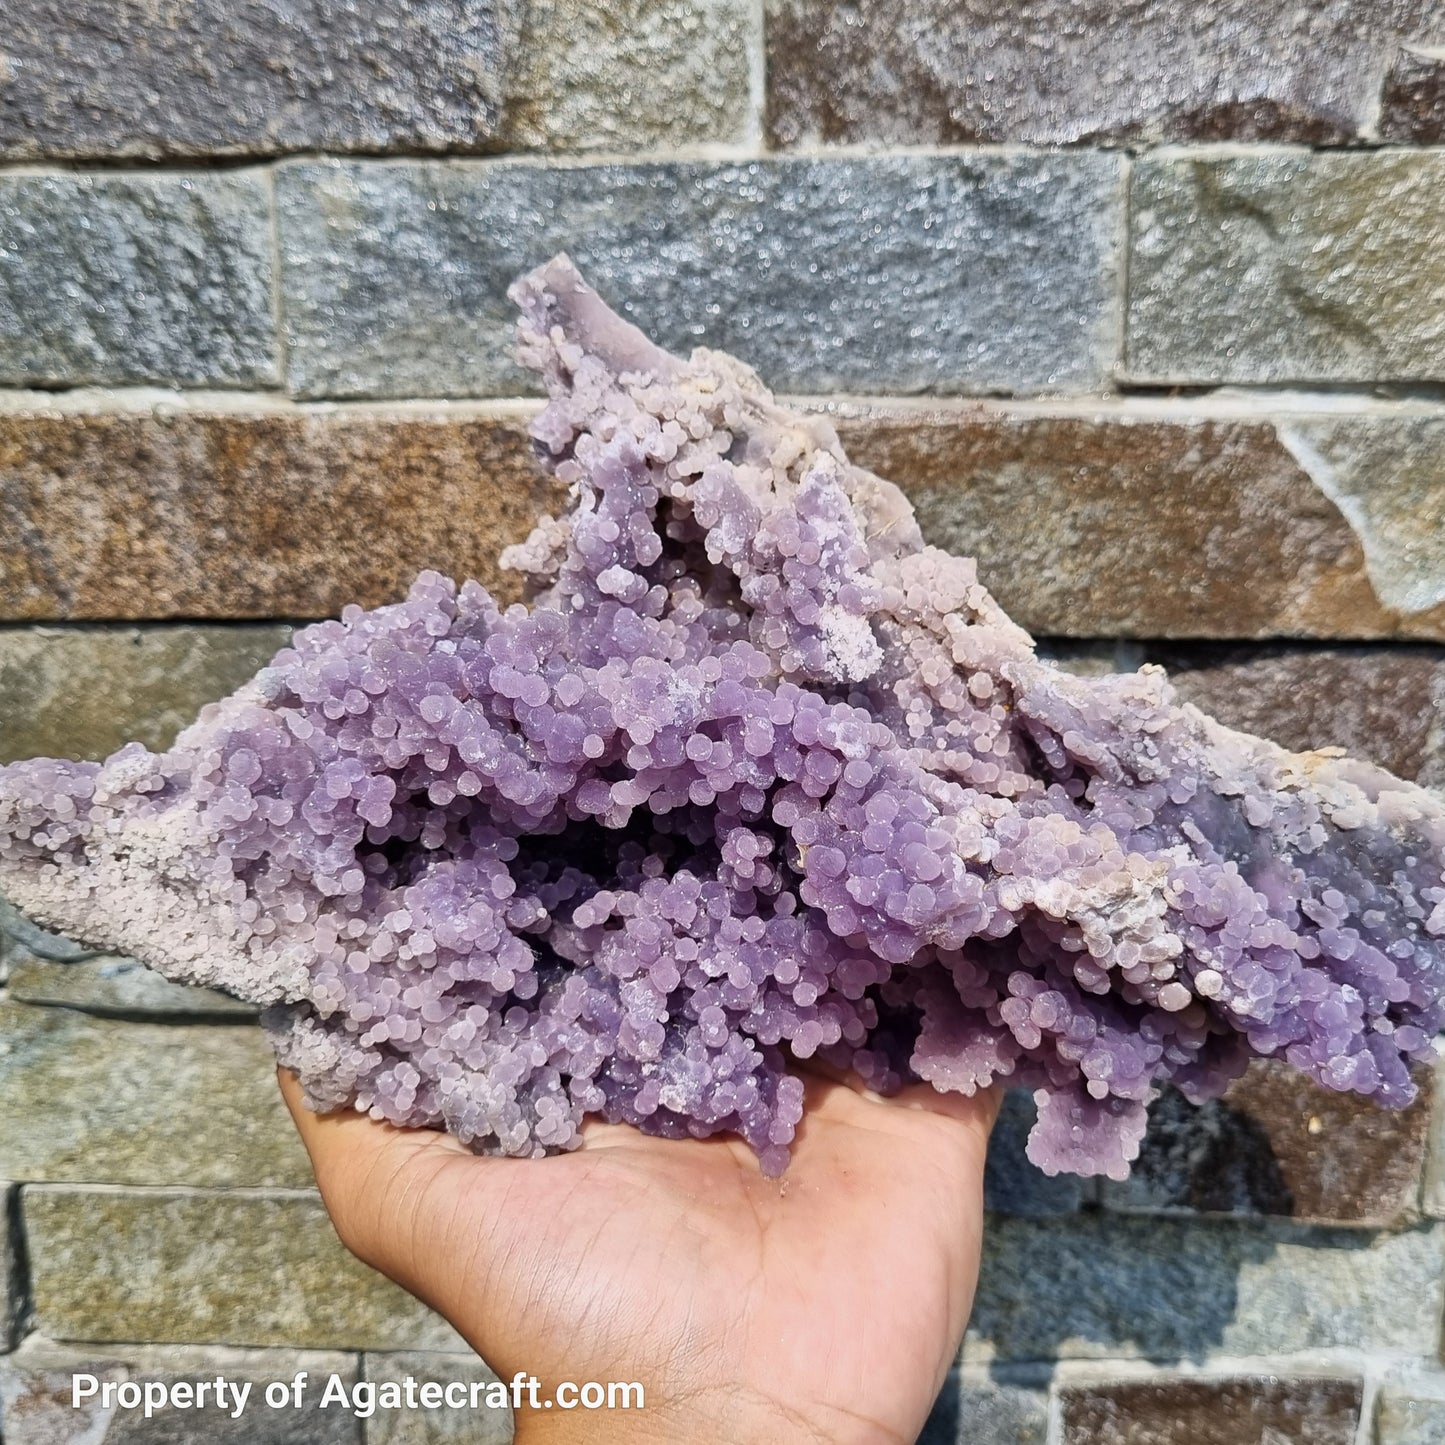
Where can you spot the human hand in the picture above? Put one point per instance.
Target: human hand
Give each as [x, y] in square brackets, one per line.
[825, 1306]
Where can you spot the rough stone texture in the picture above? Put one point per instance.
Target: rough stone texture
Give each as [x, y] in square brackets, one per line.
[1162, 524]
[198, 509]
[36, 1383]
[926, 71]
[1095, 1286]
[619, 74]
[1411, 1412]
[117, 988]
[35, 1396]
[19, 932]
[84, 692]
[1278, 1144]
[211, 78]
[1412, 106]
[978, 1407]
[1386, 481]
[92, 1100]
[434, 1427]
[1240, 1411]
[978, 272]
[1011, 1184]
[1287, 267]
[258, 513]
[119, 278]
[1385, 704]
[210, 1267]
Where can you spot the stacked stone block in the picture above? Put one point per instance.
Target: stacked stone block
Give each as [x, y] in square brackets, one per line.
[1143, 306]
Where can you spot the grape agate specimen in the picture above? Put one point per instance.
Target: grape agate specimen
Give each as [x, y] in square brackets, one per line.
[757, 775]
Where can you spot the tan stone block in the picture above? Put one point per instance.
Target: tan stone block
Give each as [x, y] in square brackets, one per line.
[1287, 267]
[254, 513]
[102, 1101]
[1143, 525]
[84, 692]
[234, 1267]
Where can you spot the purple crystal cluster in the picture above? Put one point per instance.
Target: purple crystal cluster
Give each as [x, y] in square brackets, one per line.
[756, 776]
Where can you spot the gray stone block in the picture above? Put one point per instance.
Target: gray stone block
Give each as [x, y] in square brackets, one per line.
[1011, 1185]
[118, 988]
[37, 1384]
[983, 1407]
[1082, 659]
[100, 1101]
[928, 71]
[438, 1426]
[1386, 478]
[1111, 1286]
[897, 274]
[210, 1267]
[119, 278]
[1287, 267]
[84, 692]
[1432, 1192]
[22, 933]
[1411, 1412]
[213, 78]
[1386, 704]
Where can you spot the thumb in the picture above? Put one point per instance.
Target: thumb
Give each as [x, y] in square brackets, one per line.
[378, 1182]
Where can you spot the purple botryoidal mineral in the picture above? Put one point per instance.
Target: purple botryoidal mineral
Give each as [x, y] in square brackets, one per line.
[756, 776]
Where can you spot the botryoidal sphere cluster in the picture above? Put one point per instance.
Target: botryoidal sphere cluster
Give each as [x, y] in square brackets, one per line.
[755, 776]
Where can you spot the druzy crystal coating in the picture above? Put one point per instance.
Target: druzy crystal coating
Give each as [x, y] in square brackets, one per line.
[756, 776]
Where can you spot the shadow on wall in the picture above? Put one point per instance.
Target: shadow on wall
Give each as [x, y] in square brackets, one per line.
[1214, 1158]
[1010, 1408]
[1226, 1239]
[1064, 1277]
[1101, 1285]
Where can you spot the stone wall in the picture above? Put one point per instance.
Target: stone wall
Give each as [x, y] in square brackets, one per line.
[1144, 305]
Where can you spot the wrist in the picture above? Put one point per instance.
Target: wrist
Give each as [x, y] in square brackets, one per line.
[718, 1416]
[601, 1427]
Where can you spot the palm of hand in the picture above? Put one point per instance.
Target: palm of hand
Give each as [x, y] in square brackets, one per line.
[825, 1306]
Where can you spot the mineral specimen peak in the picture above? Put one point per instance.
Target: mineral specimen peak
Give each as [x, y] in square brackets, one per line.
[756, 775]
